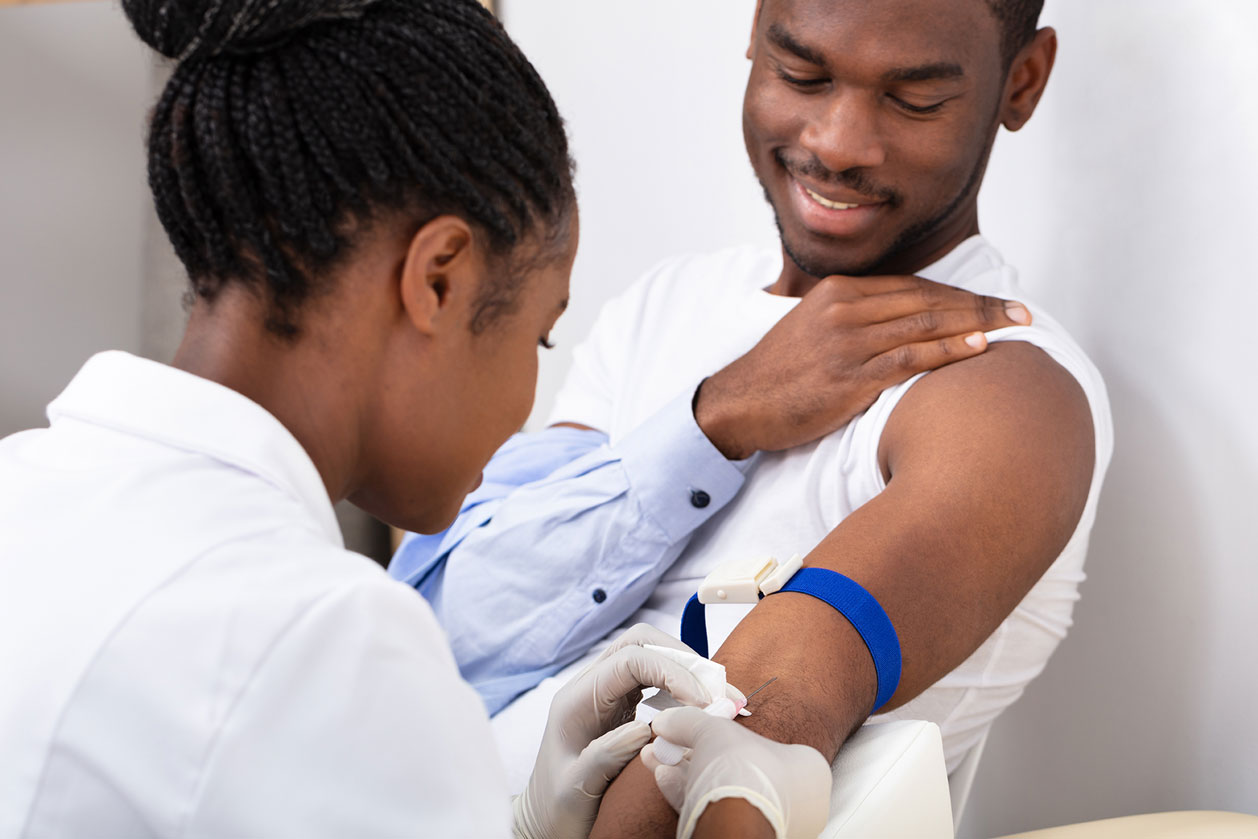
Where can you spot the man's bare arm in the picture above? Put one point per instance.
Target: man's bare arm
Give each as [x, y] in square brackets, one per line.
[990, 463]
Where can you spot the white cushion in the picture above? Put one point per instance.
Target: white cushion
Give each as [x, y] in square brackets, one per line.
[890, 781]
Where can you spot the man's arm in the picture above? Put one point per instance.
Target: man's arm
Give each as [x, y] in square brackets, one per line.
[990, 464]
[541, 572]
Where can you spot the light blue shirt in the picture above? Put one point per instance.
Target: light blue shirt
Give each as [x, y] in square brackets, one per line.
[563, 541]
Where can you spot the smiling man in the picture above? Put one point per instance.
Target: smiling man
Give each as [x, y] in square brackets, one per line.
[756, 403]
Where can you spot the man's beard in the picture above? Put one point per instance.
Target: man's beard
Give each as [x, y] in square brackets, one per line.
[909, 238]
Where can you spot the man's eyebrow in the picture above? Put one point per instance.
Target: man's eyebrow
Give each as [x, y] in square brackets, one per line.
[939, 71]
[936, 71]
[779, 36]
[563, 305]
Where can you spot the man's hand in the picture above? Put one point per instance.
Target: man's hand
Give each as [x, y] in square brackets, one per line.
[849, 339]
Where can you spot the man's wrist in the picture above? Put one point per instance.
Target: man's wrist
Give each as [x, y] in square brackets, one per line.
[718, 423]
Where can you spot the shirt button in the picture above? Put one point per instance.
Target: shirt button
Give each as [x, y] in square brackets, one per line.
[599, 595]
[699, 498]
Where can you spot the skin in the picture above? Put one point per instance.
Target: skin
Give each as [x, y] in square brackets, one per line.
[730, 818]
[988, 460]
[398, 403]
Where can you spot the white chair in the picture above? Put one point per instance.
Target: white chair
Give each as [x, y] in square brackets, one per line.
[891, 781]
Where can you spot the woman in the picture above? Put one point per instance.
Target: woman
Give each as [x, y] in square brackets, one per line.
[374, 203]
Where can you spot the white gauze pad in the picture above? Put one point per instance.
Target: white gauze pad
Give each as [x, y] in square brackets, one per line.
[711, 675]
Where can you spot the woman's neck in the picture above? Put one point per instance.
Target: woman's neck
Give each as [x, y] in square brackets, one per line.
[227, 342]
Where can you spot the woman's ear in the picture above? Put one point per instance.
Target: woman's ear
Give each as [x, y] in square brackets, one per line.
[440, 274]
[1027, 79]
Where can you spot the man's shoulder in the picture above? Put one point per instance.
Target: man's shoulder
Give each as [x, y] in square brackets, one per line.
[1015, 397]
[1034, 383]
[1044, 349]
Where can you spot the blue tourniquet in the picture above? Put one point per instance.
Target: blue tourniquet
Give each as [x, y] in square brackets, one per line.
[849, 599]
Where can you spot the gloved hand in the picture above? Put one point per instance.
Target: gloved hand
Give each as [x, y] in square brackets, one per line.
[790, 785]
[591, 736]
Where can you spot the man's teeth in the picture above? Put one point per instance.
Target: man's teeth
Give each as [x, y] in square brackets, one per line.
[826, 202]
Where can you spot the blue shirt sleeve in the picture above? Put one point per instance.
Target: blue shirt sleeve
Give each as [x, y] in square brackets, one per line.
[563, 541]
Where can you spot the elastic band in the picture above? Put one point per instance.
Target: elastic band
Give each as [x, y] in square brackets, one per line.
[694, 626]
[848, 598]
[864, 613]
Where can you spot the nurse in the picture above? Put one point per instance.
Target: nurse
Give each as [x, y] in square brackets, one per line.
[373, 200]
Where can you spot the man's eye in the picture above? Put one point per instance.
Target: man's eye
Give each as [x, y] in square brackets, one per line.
[796, 81]
[544, 343]
[916, 109]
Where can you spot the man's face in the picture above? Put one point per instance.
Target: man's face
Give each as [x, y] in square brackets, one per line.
[869, 123]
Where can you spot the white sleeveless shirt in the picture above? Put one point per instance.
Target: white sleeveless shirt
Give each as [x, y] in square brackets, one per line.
[692, 316]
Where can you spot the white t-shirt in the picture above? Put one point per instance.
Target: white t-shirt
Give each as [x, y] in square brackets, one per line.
[186, 648]
[692, 316]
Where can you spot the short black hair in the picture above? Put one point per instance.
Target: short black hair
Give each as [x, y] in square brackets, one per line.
[1019, 21]
[289, 124]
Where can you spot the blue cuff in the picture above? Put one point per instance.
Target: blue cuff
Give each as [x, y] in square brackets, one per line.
[850, 599]
[680, 479]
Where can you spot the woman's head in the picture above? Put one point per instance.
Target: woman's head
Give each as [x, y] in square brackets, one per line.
[309, 154]
[290, 125]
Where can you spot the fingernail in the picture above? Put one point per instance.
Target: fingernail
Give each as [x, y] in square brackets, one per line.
[976, 340]
[1017, 313]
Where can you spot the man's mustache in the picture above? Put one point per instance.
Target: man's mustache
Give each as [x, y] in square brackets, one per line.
[853, 179]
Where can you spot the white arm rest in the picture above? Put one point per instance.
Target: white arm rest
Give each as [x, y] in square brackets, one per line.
[890, 781]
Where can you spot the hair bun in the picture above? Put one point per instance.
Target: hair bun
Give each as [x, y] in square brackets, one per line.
[181, 29]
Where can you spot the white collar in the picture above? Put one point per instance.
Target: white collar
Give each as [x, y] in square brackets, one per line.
[971, 258]
[154, 401]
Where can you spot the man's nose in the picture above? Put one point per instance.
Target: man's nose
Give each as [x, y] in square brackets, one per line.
[843, 133]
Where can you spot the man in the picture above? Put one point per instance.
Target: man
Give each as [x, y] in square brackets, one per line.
[960, 500]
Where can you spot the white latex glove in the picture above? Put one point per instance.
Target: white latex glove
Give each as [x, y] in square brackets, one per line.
[790, 785]
[591, 734]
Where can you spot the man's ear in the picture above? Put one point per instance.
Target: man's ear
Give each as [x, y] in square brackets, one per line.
[1027, 79]
[439, 275]
[755, 27]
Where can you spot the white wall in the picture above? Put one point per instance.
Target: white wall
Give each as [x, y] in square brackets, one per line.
[74, 87]
[652, 92]
[1128, 205]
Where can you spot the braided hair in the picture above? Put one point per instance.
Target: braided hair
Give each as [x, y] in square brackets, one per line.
[287, 125]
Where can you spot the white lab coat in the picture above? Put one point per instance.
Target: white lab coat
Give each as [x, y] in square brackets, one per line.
[186, 648]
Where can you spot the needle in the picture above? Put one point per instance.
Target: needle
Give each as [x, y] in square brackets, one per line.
[757, 690]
